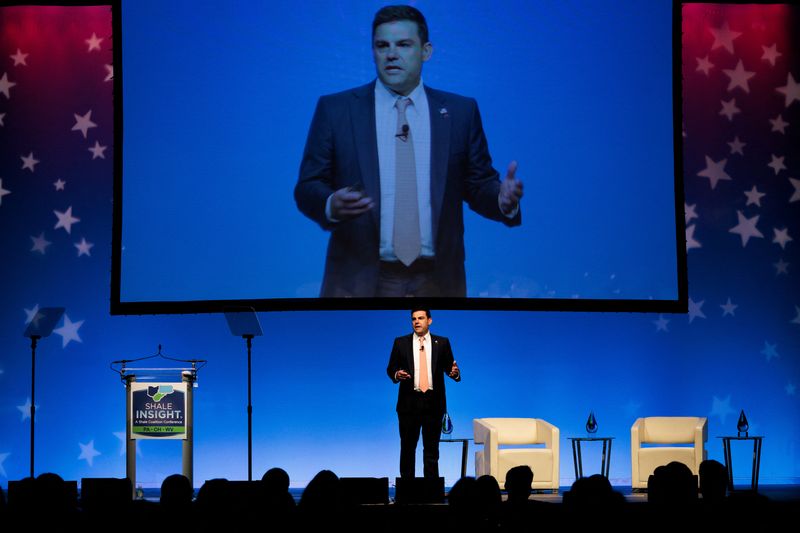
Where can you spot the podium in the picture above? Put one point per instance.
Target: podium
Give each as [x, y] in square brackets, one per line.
[159, 405]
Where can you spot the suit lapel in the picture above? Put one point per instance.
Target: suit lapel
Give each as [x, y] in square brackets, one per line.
[434, 355]
[410, 345]
[440, 148]
[362, 112]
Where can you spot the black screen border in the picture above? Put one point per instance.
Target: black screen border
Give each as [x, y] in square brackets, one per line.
[679, 305]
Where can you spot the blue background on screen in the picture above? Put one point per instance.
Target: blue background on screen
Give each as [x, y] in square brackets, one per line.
[218, 100]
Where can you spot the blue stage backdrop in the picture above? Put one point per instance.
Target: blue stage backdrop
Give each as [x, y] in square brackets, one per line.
[321, 396]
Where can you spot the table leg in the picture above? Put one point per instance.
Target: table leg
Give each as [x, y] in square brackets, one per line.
[756, 464]
[726, 449]
[464, 451]
[575, 459]
[606, 466]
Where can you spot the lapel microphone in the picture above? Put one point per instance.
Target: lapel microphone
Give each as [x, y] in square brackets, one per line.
[404, 135]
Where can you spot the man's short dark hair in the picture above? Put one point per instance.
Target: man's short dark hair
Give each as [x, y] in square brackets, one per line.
[395, 13]
[415, 309]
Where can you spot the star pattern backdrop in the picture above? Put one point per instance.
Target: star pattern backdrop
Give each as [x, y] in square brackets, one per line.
[321, 397]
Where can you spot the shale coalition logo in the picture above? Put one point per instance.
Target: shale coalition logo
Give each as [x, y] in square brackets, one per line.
[158, 410]
[159, 391]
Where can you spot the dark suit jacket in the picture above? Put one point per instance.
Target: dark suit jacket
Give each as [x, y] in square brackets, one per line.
[341, 150]
[441, 362]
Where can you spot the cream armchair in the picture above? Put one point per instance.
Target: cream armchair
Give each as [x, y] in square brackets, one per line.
[660, 430]
[495, 461]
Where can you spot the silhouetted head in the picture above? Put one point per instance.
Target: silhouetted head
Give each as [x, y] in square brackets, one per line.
[518, 483]
[321, 494]
[51, 492]
[176, 491]
[673, 485]
[276, 480]
[713, 480]
[463, 498]
[214, 496]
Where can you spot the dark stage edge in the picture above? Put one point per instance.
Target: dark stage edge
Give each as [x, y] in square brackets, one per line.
[777, 493]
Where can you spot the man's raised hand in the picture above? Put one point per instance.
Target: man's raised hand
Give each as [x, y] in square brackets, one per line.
[510, 190]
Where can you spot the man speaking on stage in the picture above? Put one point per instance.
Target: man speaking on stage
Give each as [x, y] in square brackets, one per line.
[386, 169]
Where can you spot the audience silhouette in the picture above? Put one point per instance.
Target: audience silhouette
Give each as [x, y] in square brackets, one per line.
[473, 504]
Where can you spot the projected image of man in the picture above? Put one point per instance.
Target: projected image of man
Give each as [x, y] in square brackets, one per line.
[386, 169]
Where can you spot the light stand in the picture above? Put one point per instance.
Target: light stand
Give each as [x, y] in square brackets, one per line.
[41, 325]
[243, 322]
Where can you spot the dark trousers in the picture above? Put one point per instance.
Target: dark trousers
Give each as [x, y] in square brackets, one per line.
[430, 423]
[396, 280]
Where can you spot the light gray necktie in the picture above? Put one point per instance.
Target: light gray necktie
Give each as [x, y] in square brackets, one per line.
[406, 236]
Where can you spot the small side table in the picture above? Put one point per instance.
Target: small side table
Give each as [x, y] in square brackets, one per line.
[577, 460]
[726, 449]
[464, 450]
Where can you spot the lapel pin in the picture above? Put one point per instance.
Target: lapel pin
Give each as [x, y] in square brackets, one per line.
[443, 112]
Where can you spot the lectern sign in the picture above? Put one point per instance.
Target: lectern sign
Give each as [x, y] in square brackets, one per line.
[159, 410]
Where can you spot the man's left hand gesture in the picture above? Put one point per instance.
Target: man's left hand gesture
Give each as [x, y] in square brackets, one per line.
[454, 371]
[510, 190]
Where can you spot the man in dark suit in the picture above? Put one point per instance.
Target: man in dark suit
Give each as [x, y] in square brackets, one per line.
[387, 167]
[419, 362]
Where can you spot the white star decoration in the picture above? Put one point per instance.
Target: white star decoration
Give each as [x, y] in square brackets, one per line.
[93, 42]
[6, 85]
[737, 146]
[109, 73]
[29, 162]
[770, 53]
[791, 90]
[26, 410]
[689, 212]
[729, 108]
[781, 237]
[98, 150]
[65, 220]
[30, 313]
[84, 247]
[704, 65]
[122, 448]
[83, 123]
[714, 171]
[746, 228]
[661, 323]
[59, 184]
[777, 164]
[691, 242]
[728, 308]
[19, 58]
[739, 77]
[781, 267]
[69, 331]
[2, 116]
[778, 124]
[3, 192]
[769, 351]
[724, 37]
[3, 457]
[40, 244]
[88, 452]
[754, 197]
[721, 408]
[796, 194]
[695, 310]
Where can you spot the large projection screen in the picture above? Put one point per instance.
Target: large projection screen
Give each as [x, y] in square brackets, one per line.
[214, 101]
